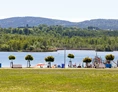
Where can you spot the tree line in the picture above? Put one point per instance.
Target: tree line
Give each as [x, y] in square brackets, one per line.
[50, 59]
[51, 38]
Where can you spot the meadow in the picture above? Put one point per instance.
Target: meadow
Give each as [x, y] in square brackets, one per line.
[58, 80]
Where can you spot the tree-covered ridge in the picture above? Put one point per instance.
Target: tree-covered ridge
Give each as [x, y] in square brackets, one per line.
[49, 38]
[14, 22]
[58, 30]
[32, 21]
[108, 24]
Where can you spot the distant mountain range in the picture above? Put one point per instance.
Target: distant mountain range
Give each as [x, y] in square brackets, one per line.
[107, 24]
[111, 24]
[32, 21]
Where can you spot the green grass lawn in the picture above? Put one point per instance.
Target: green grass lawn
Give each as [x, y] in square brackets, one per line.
[58, 80]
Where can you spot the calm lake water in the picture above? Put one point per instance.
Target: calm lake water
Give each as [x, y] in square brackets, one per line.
[59, 57]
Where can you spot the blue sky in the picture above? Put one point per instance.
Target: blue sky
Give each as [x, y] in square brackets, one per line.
[72, 10]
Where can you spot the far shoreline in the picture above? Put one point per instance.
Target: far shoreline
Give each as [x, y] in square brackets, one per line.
[55, 50]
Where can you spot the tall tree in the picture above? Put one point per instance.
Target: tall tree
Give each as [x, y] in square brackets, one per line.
[11, 57]
[29, 58]
[71, 56]
[109, 58]
[87, 60]
[49, 59]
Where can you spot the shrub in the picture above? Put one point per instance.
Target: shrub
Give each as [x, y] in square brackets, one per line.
[49, 59]
[70, 56]
[109, 57]
[11, 57]
[87, 60]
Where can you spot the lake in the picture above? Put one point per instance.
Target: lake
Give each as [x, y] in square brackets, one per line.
[59, 57]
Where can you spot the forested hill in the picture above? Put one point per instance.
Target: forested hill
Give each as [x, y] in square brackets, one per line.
[35, 21]
[100, 23]
[32, 21]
